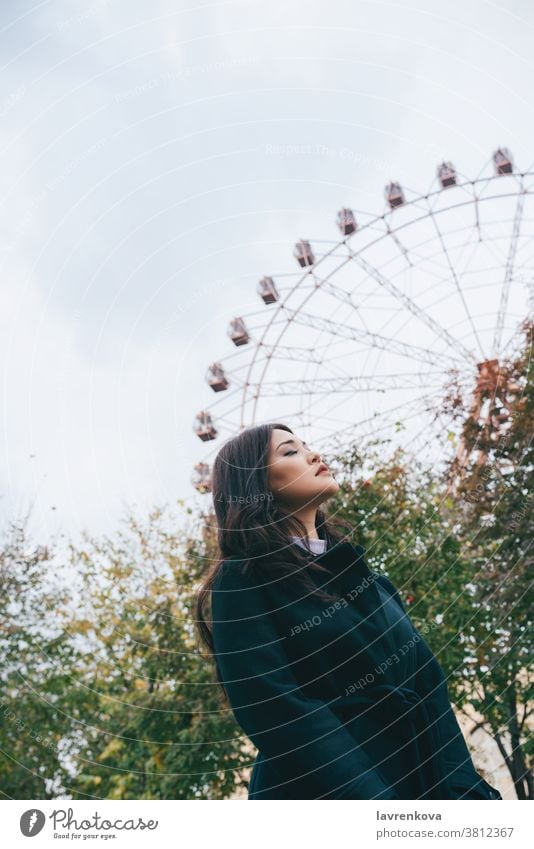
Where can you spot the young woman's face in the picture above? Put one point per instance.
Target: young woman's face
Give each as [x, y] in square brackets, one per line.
[294, 473]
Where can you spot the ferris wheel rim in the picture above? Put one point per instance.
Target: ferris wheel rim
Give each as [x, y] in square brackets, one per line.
[425, 215]
[476, 189]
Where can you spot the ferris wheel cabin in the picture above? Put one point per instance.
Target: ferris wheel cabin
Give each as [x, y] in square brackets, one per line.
[346, 221]
[502, 159]
[268, 290]
[204, 427]
[217, 378]
[304, 253]
[447, 174]
[201, 478]
[394, 195]
[238, 332]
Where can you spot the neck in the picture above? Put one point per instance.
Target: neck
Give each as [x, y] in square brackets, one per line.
[307, 517]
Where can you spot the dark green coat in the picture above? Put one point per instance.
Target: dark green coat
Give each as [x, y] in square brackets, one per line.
[343, 700]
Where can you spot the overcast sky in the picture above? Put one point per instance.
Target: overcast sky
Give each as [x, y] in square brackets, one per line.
[148, 181]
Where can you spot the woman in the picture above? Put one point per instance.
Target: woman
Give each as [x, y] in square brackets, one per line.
[319, 661]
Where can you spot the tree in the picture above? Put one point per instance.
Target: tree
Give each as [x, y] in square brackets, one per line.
[496, 489]
[103, 693]
[155, 728]
[36, 656]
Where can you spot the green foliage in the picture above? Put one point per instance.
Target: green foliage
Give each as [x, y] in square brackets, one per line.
[157, 729]
[499, 520]
[36, 655]
[118, 686]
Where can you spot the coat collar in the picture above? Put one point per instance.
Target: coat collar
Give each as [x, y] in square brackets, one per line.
[341, 556]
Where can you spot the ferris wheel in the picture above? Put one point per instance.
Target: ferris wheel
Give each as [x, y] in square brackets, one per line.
[366, 337]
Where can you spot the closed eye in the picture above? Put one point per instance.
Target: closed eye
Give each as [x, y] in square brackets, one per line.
[289, 452]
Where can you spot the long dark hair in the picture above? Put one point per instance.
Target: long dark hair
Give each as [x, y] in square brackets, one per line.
[251, 527]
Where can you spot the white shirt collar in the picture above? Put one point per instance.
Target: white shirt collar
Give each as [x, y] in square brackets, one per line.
[317, 546]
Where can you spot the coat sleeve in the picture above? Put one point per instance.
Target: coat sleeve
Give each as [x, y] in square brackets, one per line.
[300, 736]
[463, 780]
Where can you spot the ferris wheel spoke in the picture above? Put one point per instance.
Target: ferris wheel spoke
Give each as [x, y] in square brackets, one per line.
[456, 281]
[509, 271]
[469, 242]
[416, 403]
[493, 247]
[298, 354]
[345, 298]
[337, 292]
[461, 262]
[477, 217]
[374, 340]
[416, 414]
[372, 420]
[525, 254]
[410, 305]
[403, 250]
[328, 385]
[412, 252]
[339, 375]
[471, 189]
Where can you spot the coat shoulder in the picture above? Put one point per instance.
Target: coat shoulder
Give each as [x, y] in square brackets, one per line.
[390, 587]
[233, 573]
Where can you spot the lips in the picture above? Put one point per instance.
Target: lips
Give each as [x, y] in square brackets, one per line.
[322, 468]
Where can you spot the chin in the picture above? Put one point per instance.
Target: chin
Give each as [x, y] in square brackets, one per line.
[329, 487]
